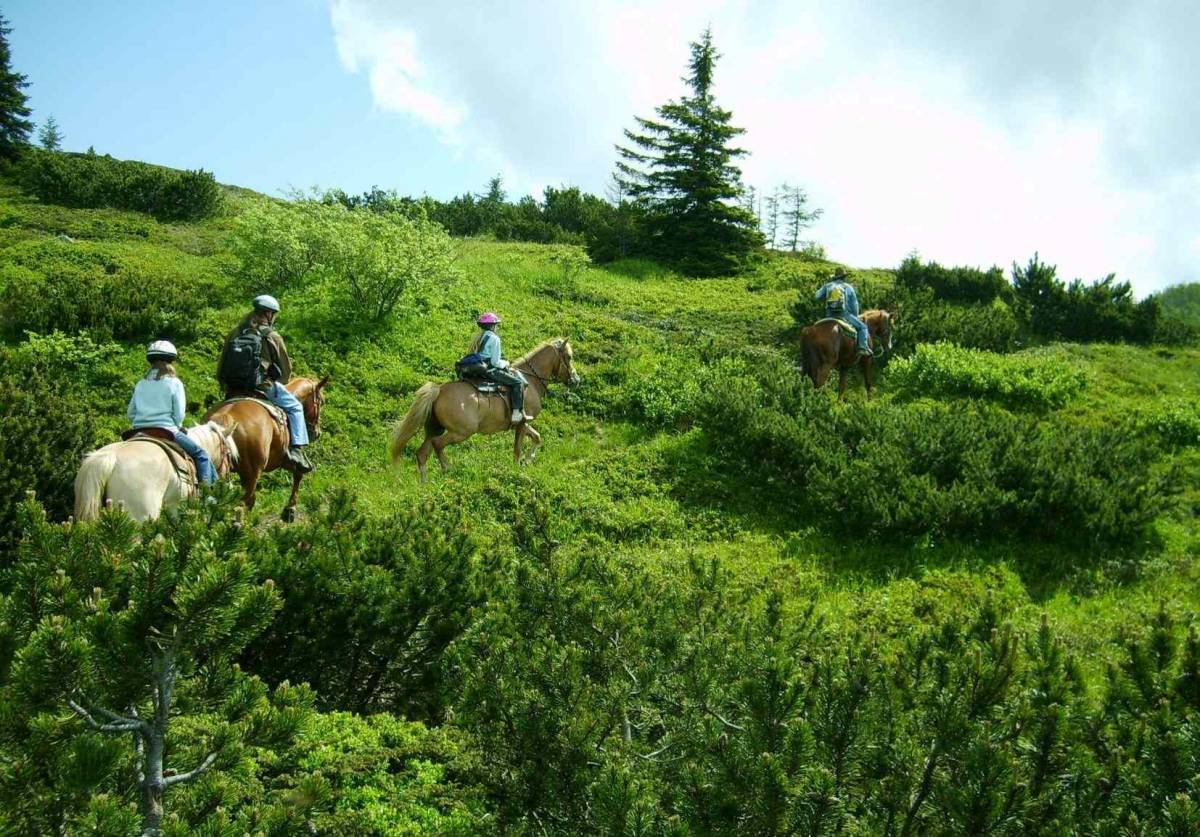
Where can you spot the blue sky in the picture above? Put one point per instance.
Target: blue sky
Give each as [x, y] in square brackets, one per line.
[252, 91]
[973, 133]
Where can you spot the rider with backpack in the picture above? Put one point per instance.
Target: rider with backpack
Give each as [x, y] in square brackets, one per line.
[841, 303]
[485, 350]
[255, 362]
[159, 401]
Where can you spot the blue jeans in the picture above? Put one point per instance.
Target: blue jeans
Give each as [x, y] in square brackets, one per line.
[860, 327]
[279, 396]
[204, 465]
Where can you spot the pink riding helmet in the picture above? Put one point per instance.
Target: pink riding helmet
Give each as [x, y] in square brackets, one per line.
[488, 319]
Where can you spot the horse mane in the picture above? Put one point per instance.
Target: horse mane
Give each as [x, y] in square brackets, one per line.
[211, 431]
[532, 353]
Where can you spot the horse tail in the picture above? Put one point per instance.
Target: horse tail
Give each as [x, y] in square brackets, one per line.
[417, 416]
[810, 354]
[91, 482]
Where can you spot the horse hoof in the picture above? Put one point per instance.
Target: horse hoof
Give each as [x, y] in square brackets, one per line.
[289, 514]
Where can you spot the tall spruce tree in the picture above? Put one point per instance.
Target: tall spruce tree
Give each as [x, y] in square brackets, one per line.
[680, 169]
[49, 136]
[14, 104]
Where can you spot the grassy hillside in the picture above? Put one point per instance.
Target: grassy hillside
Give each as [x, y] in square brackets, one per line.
[612, 452]
[627, 467]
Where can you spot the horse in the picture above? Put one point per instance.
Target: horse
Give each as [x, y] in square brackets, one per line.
[263, 443]
[455, 411]
[141, 475]
[824, 345]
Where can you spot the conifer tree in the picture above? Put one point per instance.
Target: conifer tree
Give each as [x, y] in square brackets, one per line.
[49, 137]
[680, 168]
[112, 629]
[14, 108]
[796, 214]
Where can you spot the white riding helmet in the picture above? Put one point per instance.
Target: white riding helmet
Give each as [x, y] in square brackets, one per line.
[266, 302]
[161, 350]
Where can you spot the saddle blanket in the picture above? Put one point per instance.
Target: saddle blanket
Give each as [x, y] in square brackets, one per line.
[842, 324]
[183, 464]
[275, 410]
[486, 387]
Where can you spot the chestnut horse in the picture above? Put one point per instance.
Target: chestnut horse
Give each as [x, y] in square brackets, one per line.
[262, 444]
[455, 411]
[825, 345]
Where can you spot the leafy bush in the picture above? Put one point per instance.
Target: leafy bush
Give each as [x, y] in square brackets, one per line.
[973, 470]
[1176, 422]
[370, 605]
[1037, 381]
[956, 284]
[83, 180]
[45, 434]
[131, 291]
[278, 244]
[993, 327]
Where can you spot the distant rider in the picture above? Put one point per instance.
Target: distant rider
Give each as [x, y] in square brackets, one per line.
[159, 401]
[255, 360]
[841, 302]
[487, 345]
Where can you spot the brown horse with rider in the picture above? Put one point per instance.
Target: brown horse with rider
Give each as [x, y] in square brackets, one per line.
[827, 345]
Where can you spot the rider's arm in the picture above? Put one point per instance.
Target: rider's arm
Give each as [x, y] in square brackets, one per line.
[281, 358]
[178, 402]
[821, 291]
[490, 349]
[851, 300]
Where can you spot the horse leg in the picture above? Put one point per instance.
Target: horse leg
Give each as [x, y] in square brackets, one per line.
[866, 370]
[822, 375]
[439, 446]
[249, 488]
[289, 511]
[842, 371]
[535, 441]
[423, 457]
[518, 435]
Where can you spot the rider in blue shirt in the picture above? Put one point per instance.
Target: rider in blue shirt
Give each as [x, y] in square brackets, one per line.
[159, 401]
[841, 302]
[487, 345]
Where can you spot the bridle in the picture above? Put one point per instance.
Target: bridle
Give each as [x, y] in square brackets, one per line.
[564, 367]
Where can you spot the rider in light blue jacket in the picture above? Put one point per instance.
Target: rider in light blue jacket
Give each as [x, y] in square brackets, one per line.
[841, 302]
[159, 401]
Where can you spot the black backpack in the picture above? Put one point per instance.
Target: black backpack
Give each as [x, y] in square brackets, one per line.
[241, 367]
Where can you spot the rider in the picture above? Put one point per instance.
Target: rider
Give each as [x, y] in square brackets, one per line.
[487, 345]
[841, 303]
[255, 359]
[158, 401]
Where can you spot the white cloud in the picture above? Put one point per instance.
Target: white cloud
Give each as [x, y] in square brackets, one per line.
[976, 141]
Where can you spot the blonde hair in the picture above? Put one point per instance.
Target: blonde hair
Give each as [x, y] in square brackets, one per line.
[163, 369]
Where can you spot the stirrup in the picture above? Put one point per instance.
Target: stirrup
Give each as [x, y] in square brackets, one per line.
[298, 458]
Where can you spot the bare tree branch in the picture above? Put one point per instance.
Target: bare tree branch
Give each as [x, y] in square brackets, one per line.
[191, 774]
[118, 723]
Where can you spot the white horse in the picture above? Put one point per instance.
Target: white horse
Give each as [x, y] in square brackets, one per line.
[141, 477]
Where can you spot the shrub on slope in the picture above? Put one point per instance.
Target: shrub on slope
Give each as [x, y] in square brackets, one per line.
[1038, 381]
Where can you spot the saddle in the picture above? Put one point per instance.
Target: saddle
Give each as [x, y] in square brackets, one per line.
[184, 465]
[843, 326]
[276, 412]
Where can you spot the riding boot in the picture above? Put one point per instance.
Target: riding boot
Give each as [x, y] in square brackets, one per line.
[299, 460]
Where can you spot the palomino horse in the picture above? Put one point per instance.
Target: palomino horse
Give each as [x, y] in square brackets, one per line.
[262, 443]
[455, 411]
[824, 345]
[141, 476]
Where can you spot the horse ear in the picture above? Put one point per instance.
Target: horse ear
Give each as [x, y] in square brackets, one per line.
[894, 315]
[321, 384]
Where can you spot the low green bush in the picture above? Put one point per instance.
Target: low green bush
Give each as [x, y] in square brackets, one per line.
[136, 291]
[46, 431]
[1036, 381]
[993, 327]
[90, 181]
[1175, 421]
[956, 284]
[969, 470]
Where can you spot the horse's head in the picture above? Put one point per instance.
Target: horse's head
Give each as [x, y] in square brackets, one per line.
[881, 323]
[312, 398]
[565, 372]
[227, 457]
